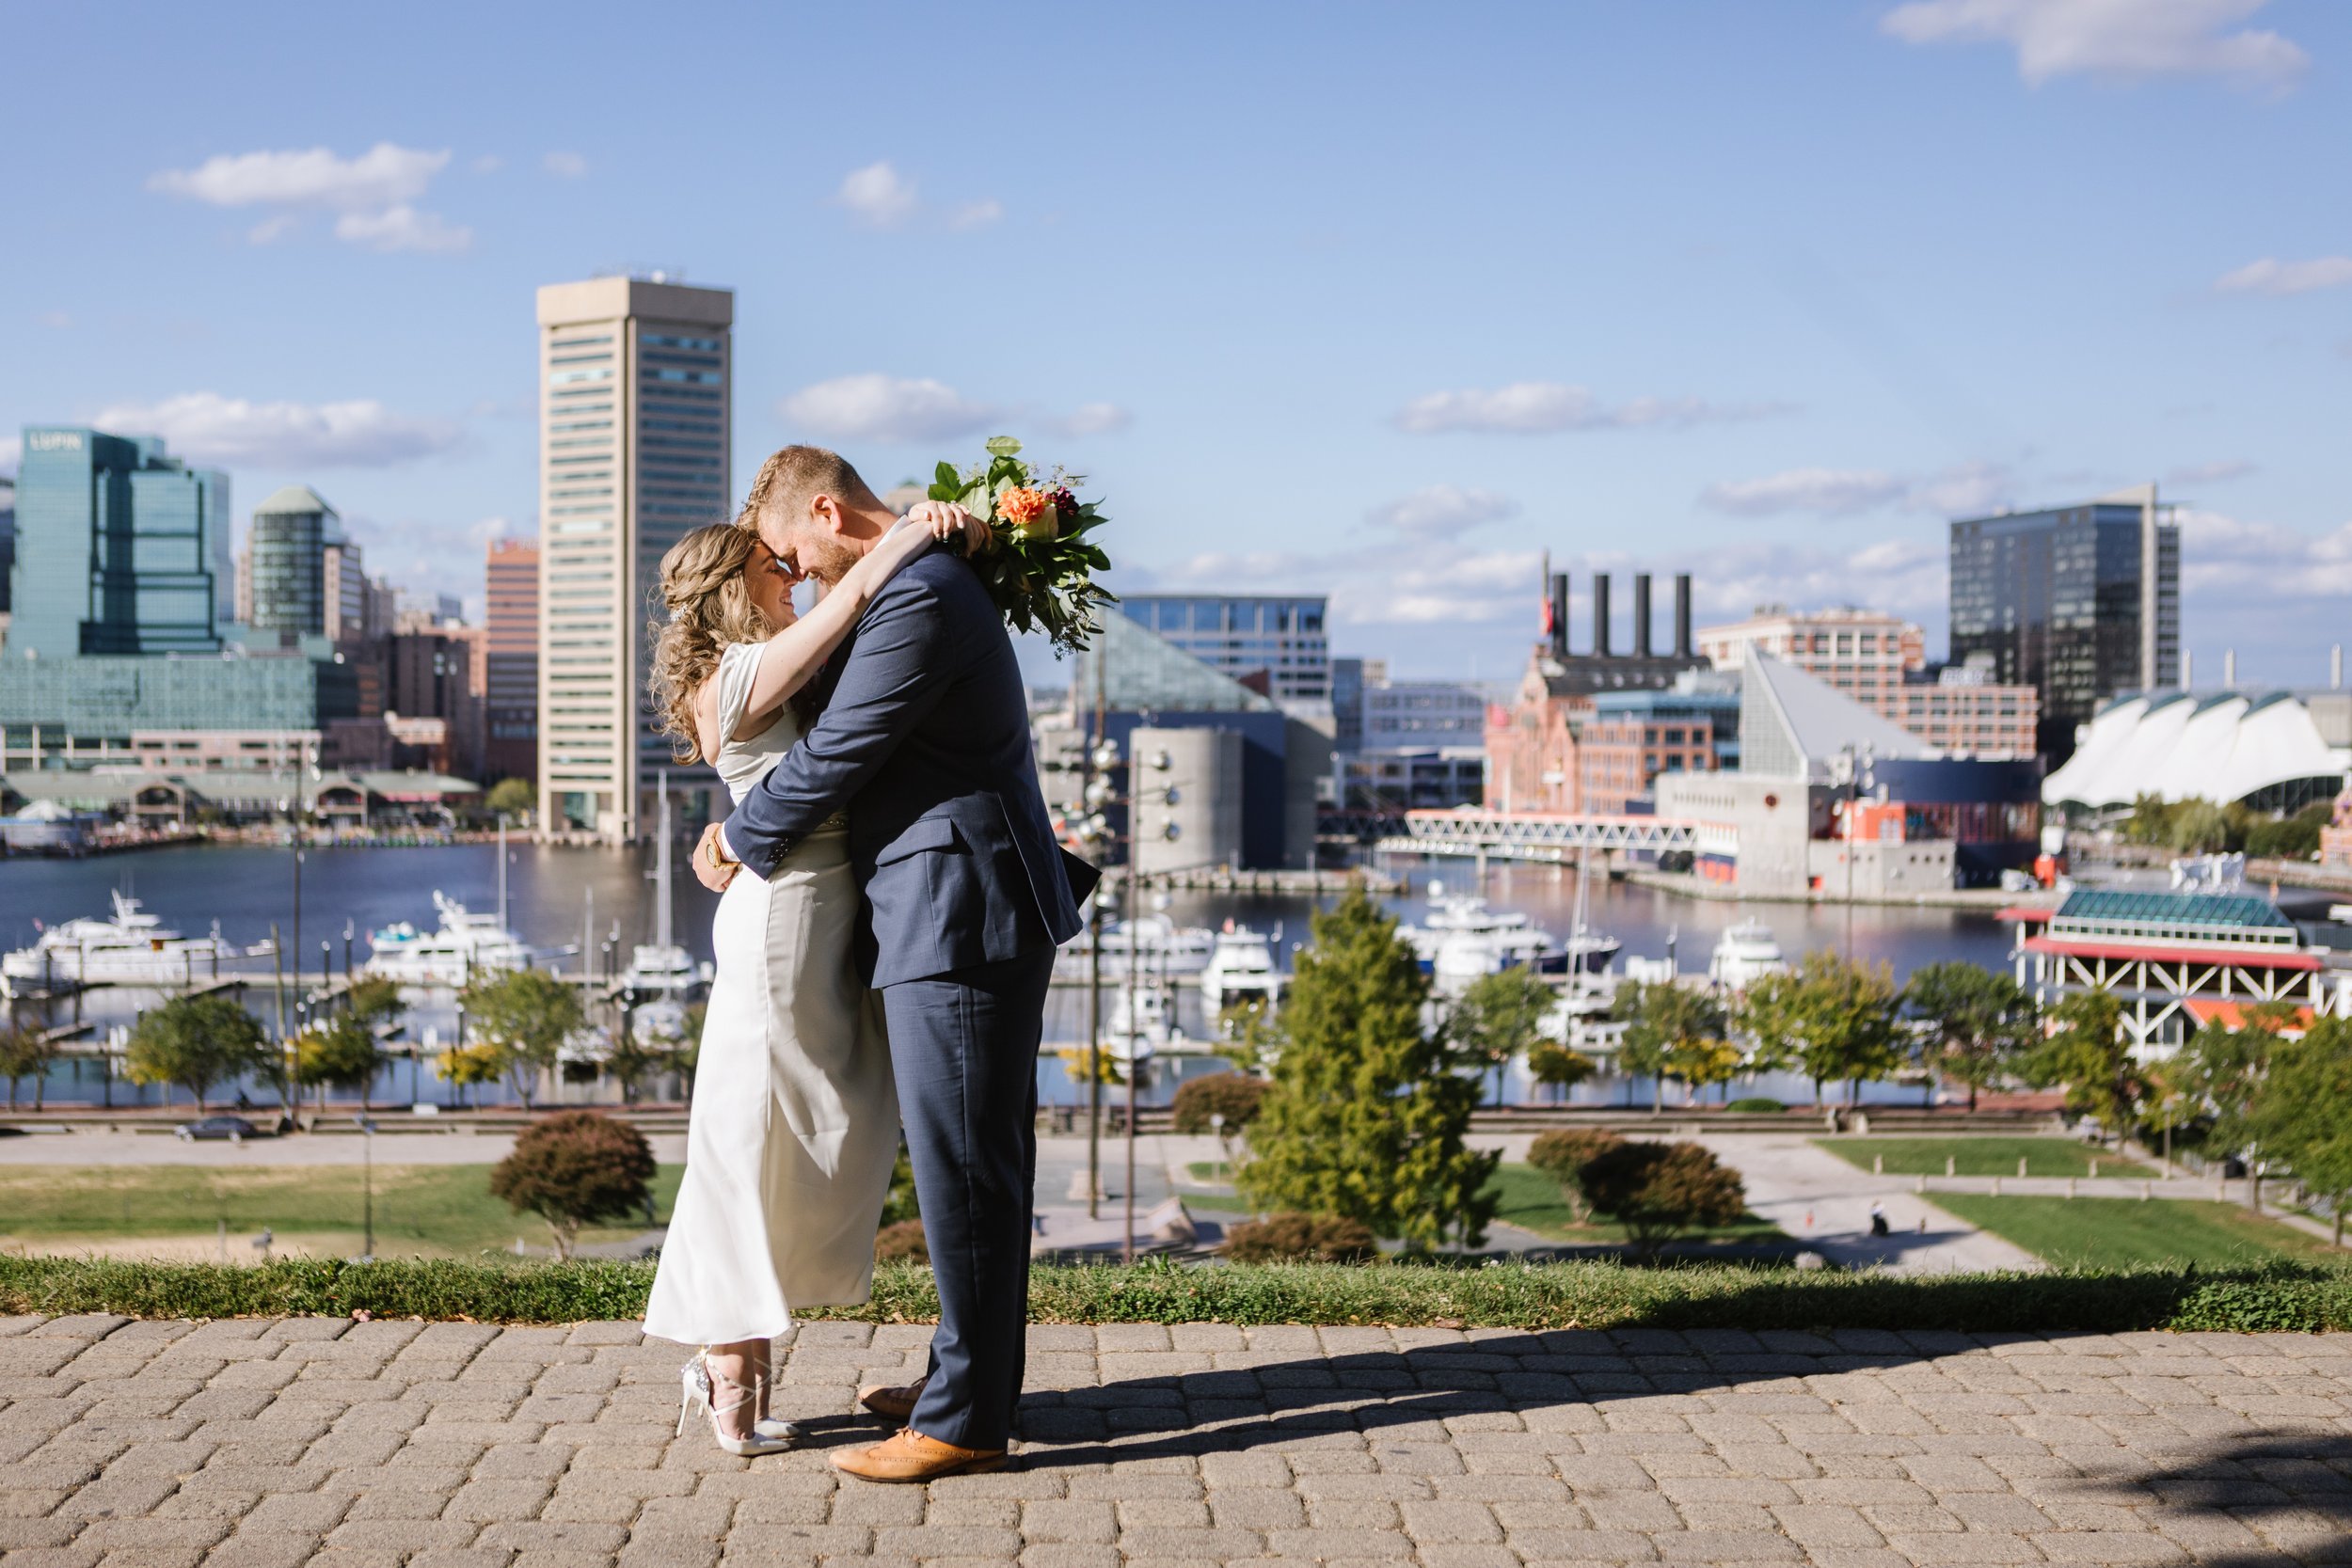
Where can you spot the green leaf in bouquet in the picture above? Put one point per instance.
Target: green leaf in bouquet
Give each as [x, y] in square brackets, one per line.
[945, 476]
[1002, 446]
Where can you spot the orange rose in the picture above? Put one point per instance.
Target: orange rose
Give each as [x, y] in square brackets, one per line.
[1030, 511]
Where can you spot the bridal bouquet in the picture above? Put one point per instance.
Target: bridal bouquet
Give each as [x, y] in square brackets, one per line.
[1040, 565]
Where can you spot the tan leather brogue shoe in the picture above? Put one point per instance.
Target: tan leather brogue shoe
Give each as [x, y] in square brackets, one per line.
[907, 1455]
[892, 1403]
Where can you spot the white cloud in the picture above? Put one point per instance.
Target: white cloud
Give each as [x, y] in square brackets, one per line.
[1092, 418]
[11, 452]
[403, 228]
[374, 193]
[2271, 276]
[1970, 488]
[383, 176]
[975, 214]
[876, 408]
[1372, 588]
[1834, 491]
[1543, 408]
[2222, 556]
[207, 427]
[877, 194]
[564, 166]
[2210, 473]
[490, 163]
[2126, 39]
[1436, 511]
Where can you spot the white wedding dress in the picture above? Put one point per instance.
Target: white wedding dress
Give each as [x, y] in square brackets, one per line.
[795, 1121]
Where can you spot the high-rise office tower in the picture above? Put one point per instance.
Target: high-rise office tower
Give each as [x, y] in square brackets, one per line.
[8, 542]
[2082, 602]
[121, 548]
[635, 402]
[300, 577]
[511, 661]
[1273, 643]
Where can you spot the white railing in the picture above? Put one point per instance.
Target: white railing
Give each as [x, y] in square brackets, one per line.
[1534, 835]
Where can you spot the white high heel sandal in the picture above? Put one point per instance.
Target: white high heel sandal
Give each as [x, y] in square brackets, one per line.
[698, 1387]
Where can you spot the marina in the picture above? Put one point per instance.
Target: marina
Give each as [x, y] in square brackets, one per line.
[562, 903]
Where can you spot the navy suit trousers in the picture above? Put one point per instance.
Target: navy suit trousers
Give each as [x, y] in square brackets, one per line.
[964, 1045]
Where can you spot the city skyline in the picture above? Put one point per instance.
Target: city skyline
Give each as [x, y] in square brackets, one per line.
[1408, 302]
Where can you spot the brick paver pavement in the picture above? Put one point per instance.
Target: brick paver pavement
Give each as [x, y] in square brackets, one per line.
[271, 1444]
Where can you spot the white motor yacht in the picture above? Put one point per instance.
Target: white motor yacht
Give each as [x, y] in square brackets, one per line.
[1154, 942]
[1241, 967]
[449, 956]
[1745, 953]
[133, 948]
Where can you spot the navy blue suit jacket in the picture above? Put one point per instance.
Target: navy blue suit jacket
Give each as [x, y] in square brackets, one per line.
[925, 740]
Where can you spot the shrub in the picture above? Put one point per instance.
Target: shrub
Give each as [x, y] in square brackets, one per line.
[1659, 1190]
[1231, 1095]
[1757, 1105]
[1561, 1155]
[575, 1168]
[25, 1051]
[1301, 1239]
[901, 1242]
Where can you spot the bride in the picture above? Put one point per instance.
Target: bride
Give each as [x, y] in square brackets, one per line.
[795, 1123]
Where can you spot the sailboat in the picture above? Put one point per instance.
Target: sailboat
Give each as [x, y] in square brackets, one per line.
[662, 965]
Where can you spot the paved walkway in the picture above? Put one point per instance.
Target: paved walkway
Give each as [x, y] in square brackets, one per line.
[271, 1444]
[1825, 1203]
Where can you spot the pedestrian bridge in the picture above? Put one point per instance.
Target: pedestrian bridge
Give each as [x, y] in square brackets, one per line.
[1534, 835]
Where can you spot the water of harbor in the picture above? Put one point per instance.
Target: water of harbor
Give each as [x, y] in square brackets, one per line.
[551, 891]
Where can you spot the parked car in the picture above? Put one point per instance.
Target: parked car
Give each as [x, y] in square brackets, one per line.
[234, 1128]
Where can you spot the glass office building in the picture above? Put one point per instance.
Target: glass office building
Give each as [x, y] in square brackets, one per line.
[286, 563]
[2080, 602]
[121, 548]
[1273, 643]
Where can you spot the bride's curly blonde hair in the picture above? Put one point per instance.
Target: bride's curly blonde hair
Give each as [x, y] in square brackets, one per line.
[704, 587]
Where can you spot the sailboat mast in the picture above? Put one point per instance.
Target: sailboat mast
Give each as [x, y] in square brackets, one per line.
[502, 871]
[661, 871]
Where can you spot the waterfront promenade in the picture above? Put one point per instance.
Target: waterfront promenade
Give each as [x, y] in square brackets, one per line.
[268, 1444]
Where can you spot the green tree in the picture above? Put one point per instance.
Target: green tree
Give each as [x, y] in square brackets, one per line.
[374, 1003]
[1983, 1021]
[1563, 1153]
[527, 1014]
[1249, 1034]
[1667, 1028]
[1557, 1067]
[195, 1042]
[1495, 1019]
[1832, 1019]
[2086, 1054]
[469, 1067]
[2199, 828]
[512, 798]
[341, 1053]
[575, 1168]
[1657, 1191]
[632, 1061]
[1365, 1118]
[25, 1051]
[2303, 1112]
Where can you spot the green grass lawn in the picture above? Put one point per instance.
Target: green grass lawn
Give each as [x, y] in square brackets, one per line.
[1980, 1156]
[1525, 1197]
[2107, 1232]
[424, 1211]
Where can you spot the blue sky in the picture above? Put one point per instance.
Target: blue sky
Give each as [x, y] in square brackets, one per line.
[1381, 300]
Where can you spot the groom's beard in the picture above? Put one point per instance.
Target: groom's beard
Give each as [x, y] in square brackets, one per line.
[827, 559]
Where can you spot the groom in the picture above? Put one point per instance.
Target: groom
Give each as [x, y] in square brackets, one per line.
[925, 738]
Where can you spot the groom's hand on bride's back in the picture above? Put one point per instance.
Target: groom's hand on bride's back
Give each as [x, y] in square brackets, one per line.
[712, 867]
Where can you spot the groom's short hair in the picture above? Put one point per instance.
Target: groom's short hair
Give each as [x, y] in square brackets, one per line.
[794, 476]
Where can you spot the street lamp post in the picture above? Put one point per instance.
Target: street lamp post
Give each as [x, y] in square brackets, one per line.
[367, 1187]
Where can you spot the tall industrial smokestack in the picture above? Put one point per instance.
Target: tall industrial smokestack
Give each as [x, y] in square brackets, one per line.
[1600, 615]
[1682, 615]
[1559, 615]
[1640, 614]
